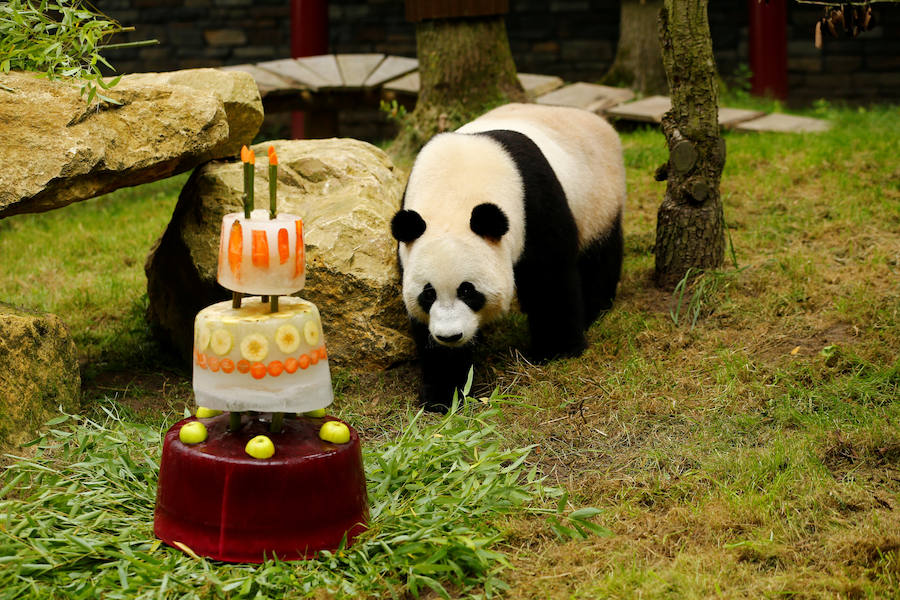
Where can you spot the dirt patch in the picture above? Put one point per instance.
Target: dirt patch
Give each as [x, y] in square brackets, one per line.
[144, 392]
[774, 346]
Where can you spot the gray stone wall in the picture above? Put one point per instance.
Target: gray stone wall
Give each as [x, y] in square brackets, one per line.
[574, 39]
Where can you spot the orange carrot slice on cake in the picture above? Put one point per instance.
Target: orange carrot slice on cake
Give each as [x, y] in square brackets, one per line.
[235, 249]
[284, 249]
[260, 250]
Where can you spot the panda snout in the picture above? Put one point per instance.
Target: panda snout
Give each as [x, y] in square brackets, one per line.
[449, 339]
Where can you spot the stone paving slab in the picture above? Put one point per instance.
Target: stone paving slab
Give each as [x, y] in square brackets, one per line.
[391, 68]
[398, 74]
[784, 123]
[732, 117]
[652, 109]
[588, 96]
[356, 68]
[288, 68]
[267, 81]
[408, 84]
[649, 109]
[538, 85]
[326, 67]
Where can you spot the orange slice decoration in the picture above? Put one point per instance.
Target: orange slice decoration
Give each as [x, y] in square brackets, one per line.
[235, 249]
[260, 252]
[300, 252]
[284, 249]
[275, 368]
[258, 370]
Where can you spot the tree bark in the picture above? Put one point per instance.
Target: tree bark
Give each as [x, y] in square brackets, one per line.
[465, 68]
[638, 63]
[690, 226]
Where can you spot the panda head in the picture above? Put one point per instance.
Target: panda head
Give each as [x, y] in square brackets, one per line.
[454, 281]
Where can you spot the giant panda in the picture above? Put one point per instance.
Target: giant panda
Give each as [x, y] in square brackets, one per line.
[525, 200]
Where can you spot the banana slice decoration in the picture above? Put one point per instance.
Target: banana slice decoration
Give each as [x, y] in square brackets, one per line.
[311, 333]
[254, 347]
[221, 341]
[288, 338]
[203, 336]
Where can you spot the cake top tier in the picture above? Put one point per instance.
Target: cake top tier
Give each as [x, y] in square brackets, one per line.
[262, 255]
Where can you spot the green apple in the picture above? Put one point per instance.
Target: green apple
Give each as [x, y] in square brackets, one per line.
[335, 432]
[260, 447]
[192, 433]
[319, 412]
[205, 413]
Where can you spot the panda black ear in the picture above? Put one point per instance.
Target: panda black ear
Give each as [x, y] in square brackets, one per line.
[488, 221]
[407, 225]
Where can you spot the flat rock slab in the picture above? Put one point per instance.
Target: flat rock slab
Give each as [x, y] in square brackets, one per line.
[325, 67]
[731, 117]
[538, 85]
[57, 149]
[391, 68]
[290, 70]
[587, 96]
[652, 109]
[408, 84]
[356, 68]
[784, 123]
[267, 81]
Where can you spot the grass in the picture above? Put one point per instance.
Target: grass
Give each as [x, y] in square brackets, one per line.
[740, 438]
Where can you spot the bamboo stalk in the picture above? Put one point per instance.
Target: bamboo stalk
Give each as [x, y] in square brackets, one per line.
[234, 421]
[277, 422]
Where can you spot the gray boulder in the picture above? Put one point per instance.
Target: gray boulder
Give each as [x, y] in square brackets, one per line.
[57, 149]
[346, 192]
[38, 372]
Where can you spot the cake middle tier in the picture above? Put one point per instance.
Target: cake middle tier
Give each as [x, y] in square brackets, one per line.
[248, 358]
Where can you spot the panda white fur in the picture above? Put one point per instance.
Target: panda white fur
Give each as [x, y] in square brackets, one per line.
[526, 199]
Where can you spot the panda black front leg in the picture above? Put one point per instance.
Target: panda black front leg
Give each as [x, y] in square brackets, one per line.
[555, 308]
[444, 369]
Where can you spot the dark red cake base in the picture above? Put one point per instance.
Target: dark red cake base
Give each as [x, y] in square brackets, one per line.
[224, 504]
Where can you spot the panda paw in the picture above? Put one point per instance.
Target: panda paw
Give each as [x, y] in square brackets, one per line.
[436, 399]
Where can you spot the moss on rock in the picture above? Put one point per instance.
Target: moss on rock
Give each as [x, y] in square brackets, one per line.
[38, 372]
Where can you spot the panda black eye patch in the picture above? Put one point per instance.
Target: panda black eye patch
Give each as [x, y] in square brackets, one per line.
[427, 297]
[470, 296]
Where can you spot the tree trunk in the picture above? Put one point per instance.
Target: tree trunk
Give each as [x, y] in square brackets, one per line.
[690, 227]
[465, 68]
[638, 62]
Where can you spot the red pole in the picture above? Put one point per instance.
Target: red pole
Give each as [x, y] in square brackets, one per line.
[309, 37]
[768, 48]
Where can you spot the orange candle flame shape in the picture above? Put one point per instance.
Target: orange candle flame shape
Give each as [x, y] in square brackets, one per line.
[245, 154]
[273, 158]
[251, 157]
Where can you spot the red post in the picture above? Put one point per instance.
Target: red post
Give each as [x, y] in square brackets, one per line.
[768, 48]
[309, 37]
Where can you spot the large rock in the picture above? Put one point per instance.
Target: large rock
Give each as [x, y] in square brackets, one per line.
[346, 192]
[57, 150]
[38, 372]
